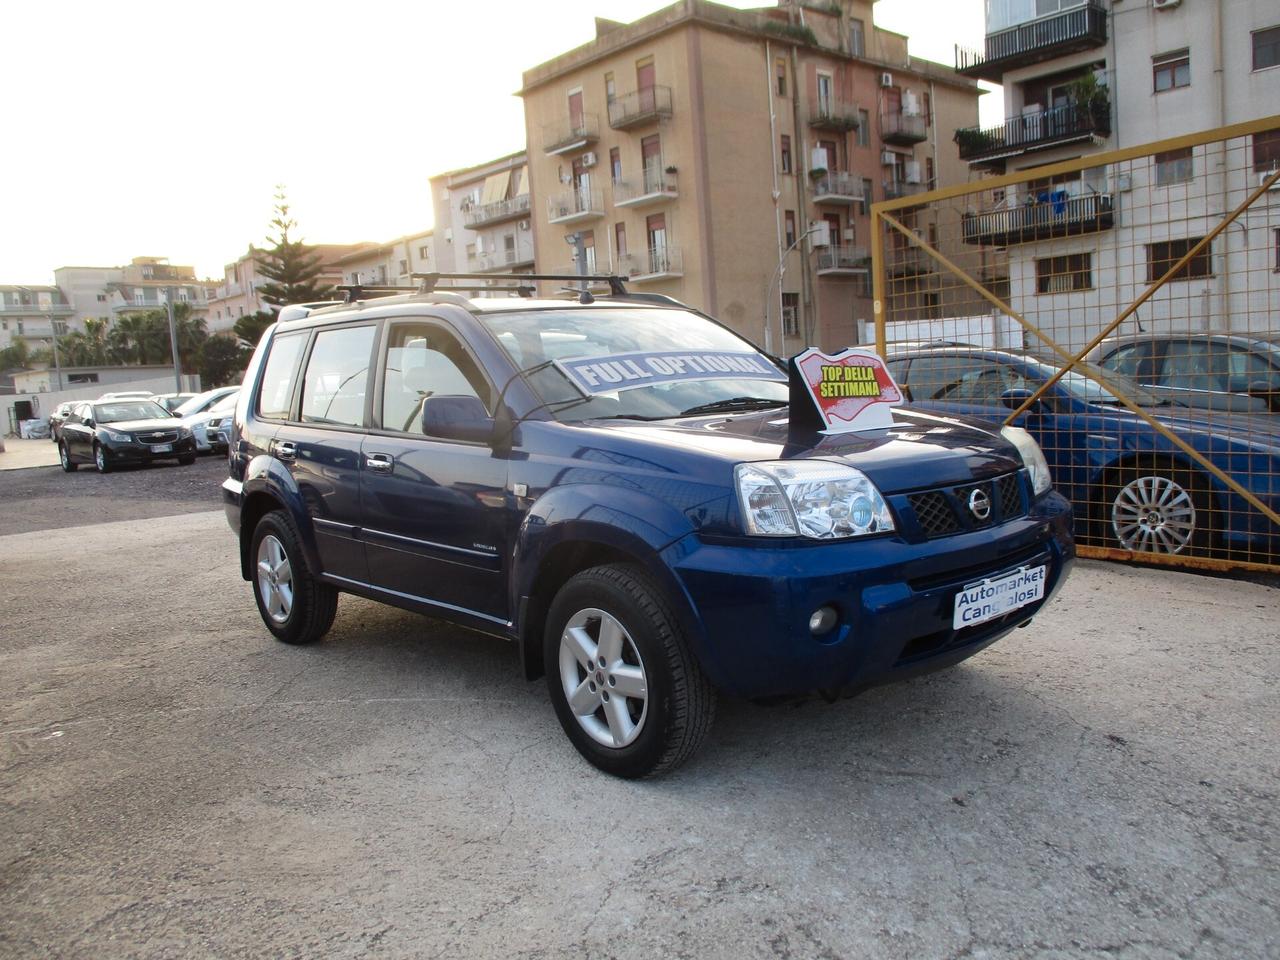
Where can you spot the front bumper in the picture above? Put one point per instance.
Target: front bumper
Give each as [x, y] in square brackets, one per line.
[895, 599]
[119, 452]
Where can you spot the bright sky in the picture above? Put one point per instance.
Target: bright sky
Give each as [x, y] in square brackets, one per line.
[161, 128]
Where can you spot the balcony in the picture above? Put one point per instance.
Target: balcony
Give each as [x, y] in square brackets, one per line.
[831, 114]
[1068, 123]
[496, 212]
[639, 107]
[502, 261]
[840, 188]
[575, 206]
[897, 189]
[572, 133]
[36, 310]
[908, 262]
[843, 261]
[1052, 215]
[1081, 28]
[903, 129]
[661, 263]
[654, 185]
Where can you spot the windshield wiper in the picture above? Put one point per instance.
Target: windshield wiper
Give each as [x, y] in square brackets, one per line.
[733, 403]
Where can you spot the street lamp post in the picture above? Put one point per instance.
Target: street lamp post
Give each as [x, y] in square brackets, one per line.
[778, 274]
[173, 341]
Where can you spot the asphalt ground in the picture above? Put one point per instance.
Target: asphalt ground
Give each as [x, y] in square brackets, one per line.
[174, 783]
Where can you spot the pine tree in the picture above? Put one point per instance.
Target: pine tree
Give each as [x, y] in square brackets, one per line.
[291, 266]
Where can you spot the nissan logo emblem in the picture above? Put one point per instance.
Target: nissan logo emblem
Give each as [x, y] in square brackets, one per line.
[979, 504]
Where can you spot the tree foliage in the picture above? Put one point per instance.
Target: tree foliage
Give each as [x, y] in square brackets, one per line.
[291, 267]
[222, 362]
[252, 326]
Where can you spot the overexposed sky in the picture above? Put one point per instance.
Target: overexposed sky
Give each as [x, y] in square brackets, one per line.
[161, 128]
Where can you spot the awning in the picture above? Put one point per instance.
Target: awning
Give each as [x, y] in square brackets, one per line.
[519, 182]
[495, 188]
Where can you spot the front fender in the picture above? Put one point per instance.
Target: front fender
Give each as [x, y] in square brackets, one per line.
[265, 477]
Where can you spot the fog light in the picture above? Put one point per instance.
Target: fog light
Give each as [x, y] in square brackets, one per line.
[822, 620]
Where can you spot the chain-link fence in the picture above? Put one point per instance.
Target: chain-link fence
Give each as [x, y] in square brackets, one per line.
[1124, 308]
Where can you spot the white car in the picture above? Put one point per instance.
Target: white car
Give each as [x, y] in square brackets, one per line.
[127, 395]
[196, 413]
[216, 430]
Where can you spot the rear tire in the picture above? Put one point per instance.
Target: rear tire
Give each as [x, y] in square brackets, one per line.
[614, 649]
[1159, 510]
[295, 606]
[64, 457]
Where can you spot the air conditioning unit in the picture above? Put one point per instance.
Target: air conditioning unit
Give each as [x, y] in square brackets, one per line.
[821, 234]
[886, 79]
[1264, 176]
[888, 159]
[1164, 4]
[589, 159]
[524, 224]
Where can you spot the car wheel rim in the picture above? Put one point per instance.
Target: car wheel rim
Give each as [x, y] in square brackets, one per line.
[100, 458]
[62, 455]
[275, 578]
[1153, 515]
[603, 678]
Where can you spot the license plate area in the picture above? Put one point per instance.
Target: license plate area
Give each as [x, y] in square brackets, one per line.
[162, 448]
[993, 597]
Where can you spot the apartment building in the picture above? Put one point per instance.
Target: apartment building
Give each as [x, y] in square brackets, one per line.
[1086, 76]
[143, 284]
[391, 263]
[33, 314]
[729, 158]
[238, 293]
[482, 218]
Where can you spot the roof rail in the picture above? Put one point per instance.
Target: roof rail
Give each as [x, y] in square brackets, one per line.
[296, 311]
[616, 288]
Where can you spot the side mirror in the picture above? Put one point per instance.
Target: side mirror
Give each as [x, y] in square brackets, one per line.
[1015, 397]
[457, 418]
[1266, 391]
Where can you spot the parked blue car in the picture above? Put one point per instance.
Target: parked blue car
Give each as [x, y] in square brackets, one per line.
[1132, 487]
[645, 546]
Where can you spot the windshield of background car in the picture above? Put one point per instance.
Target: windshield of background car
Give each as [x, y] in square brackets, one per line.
[125, 410]
[226, 404]
[536, 337]
[1082, 387]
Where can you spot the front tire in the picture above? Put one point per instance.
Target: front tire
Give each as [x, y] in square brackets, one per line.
[295, 606]
[1156, 510]
[187, 461]
[625, 686]
[64, 457]
[100, 459]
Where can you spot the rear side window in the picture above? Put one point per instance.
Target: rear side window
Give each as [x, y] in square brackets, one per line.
[279, 376]
[333, 390]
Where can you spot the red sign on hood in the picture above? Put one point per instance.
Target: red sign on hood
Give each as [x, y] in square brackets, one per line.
[852, 390]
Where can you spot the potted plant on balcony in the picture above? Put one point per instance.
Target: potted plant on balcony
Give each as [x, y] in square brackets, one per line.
[1091, 100]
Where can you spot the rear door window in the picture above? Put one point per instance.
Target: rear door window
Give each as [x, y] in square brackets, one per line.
[280, 375]
[333, 390]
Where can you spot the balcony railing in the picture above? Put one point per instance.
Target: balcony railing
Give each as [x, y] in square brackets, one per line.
[571, 133]
[1081, 28]
[574, 206]
[1035, 131]
[653, 185]
[640, 106]
[837, 187]
[496, 212]
[903, 128]
[1050, 214]
[895, 189]
[660, 263]
[835, 115]
[843, 260]
[500, 260]
[35, 309]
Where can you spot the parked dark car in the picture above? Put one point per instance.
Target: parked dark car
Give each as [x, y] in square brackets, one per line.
[1215, 371]
[56, 419]
[112, 433]
[1132, 487]
[643, 547]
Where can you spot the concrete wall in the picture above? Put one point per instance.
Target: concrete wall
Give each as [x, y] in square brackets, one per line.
[45, 403]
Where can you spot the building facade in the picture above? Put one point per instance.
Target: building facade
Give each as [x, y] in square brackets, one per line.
[483, 220]
[1081, 77]
[392, 263]
[729, 158]
[34, 314]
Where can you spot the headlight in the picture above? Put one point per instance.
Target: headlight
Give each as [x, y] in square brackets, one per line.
[117, 437]
[811, 498]
[1032, 457]
[183, 433]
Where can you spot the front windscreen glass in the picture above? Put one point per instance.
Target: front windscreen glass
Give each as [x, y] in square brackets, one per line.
[124, 410]
[1090, 390]
[622, 338]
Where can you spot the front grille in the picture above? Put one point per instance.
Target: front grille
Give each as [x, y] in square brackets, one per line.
[947, 510]
[158, 437]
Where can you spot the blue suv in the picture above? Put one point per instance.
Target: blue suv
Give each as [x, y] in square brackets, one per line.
[643, 546]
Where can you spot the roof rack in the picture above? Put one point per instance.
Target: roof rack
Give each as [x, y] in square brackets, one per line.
[616, 288]
[358, 291]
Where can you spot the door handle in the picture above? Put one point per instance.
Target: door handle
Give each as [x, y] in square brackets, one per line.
[380, 462]
[286, 449]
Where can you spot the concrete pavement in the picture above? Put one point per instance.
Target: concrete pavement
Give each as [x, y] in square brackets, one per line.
[20, 454]
[173, 783]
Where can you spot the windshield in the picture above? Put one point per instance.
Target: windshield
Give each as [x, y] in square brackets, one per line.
[129, 410]
[536, 338]
[196, 404]
[1081, 387]
[226, 404]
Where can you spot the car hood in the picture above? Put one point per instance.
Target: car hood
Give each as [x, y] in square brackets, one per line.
[920, 449]
[141, 426]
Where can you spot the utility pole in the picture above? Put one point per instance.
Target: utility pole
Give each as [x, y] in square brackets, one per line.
[173, 341]
[57, 363]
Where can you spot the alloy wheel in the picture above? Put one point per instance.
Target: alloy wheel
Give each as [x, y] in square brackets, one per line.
[63, 455]
[1153, 515]
[603, 678]
[100, 459]
[275, 578]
